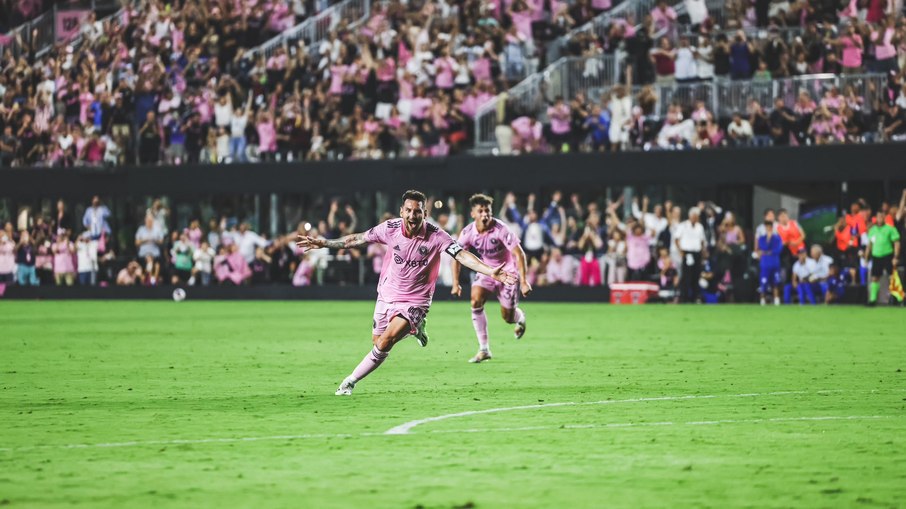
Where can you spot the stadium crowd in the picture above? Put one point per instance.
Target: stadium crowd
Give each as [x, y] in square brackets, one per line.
[177, 82]
[694, 254]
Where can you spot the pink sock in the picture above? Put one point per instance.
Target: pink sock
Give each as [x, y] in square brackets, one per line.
[518, 316]
[480, 321]
[370, 363]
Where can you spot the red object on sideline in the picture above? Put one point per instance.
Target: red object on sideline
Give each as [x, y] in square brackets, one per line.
[632, 292]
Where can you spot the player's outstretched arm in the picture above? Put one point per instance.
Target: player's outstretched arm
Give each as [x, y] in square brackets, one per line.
[307, 243]
[471, 261]
[456, 289]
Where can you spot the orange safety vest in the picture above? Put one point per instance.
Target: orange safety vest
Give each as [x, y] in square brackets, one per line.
[791, 236]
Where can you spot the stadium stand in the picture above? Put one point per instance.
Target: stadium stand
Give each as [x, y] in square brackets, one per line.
[222, 82]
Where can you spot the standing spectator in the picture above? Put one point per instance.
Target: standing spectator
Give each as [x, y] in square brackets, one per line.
[150, 140]
[590, 245]
[704, 59]
[8, 146]
[638, 252]
[781, 121]
[95, 219]
[148, 239]
[663, 21]
[63, 269]
[203, 266]
[741, 57]
[183, 261]
[664, 60]
[769, 248]
[87, 259]
[25, 260]
[761, 124]
[248, 241]
[7, 259]
[692, 244]
[685, 64]
[851, 42]
[883, 252]
[559, 115]
[63, 221]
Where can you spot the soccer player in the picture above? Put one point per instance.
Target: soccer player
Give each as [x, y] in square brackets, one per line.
[407, 282]
[769, 248]
[884, 252]
[497, 246]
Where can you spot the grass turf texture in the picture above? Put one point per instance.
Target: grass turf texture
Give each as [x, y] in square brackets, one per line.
[159, 372]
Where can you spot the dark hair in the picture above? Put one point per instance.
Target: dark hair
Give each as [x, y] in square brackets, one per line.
[782, 211]
[412, 194]
[480, 199]
[769, 209]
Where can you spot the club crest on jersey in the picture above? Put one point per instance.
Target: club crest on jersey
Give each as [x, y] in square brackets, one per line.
[397, 259]
[423, 250]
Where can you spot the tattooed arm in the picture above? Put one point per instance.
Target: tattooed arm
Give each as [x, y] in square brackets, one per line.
[307, 243]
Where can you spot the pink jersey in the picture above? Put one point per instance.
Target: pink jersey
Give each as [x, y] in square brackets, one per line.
[412, 264]
[494, 246]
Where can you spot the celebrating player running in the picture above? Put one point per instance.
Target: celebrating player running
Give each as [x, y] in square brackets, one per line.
[407, 283]
[497, 246]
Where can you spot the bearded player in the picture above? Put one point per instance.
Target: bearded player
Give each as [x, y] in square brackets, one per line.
[497, 246]
[407, 281]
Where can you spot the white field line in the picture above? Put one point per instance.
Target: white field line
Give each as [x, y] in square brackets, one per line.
[405, 428]
[412, 424]
[668, 423]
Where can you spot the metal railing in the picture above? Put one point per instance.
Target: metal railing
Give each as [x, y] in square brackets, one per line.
[564, 78]
[631, 11]
[757, 34]
[40, 32]
[725, 97]
[318, 27]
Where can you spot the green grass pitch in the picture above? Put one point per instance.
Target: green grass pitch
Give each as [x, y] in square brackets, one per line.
[213, 404]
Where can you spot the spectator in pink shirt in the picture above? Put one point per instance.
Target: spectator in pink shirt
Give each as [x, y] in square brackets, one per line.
[267, 136]
[559, 116]
[445, 66]
[63, 260]
[663, 20]
[852, 46]
[560, 270]
[230, 266]
[527, 134]
[638, 252]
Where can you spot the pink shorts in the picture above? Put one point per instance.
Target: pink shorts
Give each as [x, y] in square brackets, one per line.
[508, 296]
[384, 312]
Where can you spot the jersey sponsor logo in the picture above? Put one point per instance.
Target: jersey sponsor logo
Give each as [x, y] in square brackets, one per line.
[409, 263]
[453, 249]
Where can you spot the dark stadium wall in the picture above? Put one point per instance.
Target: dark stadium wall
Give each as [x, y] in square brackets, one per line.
[273, 292]
[770, 167]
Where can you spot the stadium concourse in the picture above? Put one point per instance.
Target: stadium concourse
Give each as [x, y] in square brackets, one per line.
[187, 82]
[694, 253]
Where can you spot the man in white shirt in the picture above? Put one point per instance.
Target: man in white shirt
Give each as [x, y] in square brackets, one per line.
[248, 241]
[692, 244]
[685, 65]
[740, 131]
[803, 270]
[704, 59]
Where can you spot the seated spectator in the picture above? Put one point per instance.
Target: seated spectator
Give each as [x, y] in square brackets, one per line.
[803, 270]
[130, 275]
[739, 131]
[230, 266]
